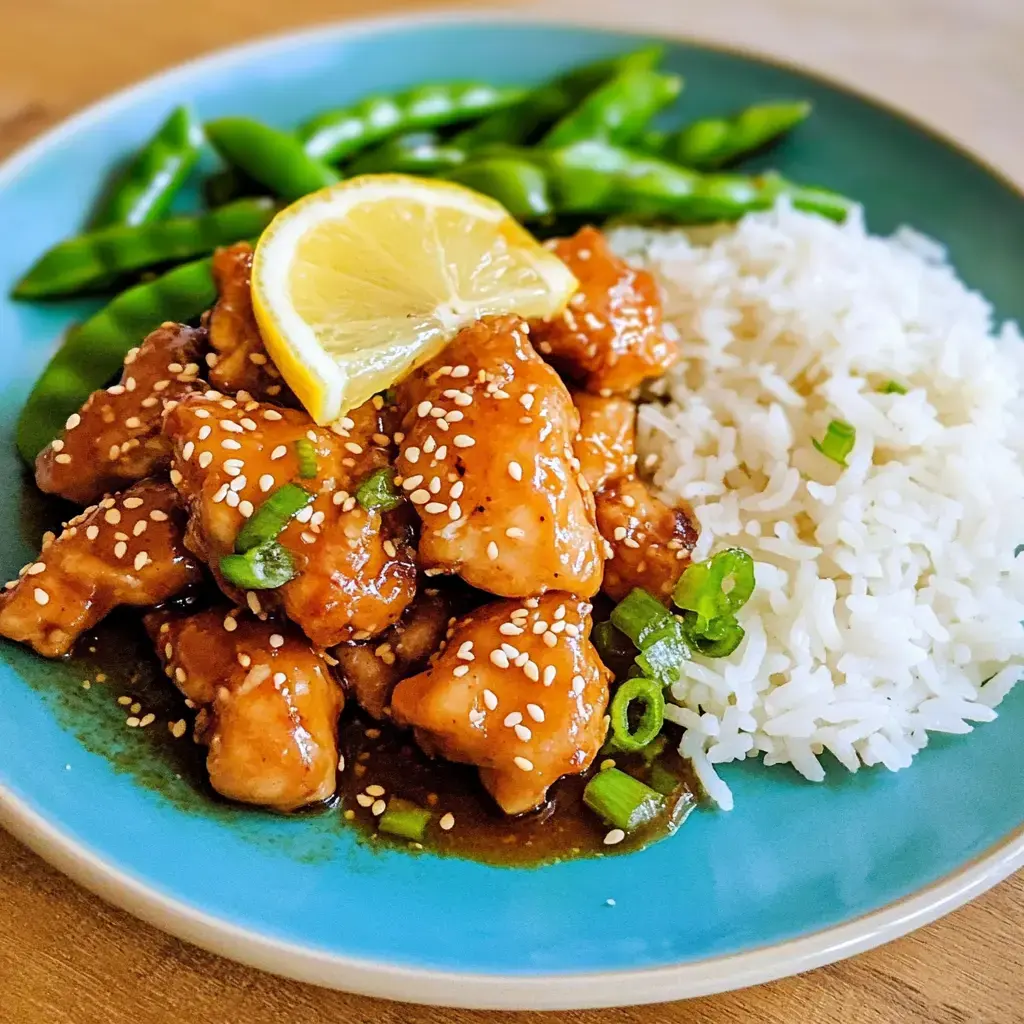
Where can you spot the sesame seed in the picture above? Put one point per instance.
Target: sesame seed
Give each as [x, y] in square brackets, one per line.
[276, 640]
[41, 596]
[459, 671]
[411, 482]
[363, 800]
[248, 423]
[412, 455]
[132, 722]
[492, 551]
[526, 401]
[456, 489]
[253, 602]
[535, 711]
[279, 452]
[355, 449]
[279, 678]
[515, 533]
[441, 454]
[510, 651]
[178, 728]
[523, 732]
[420, 497]
[57, 445]
[616, 835]
[141, 560]
[246, 509]
[423, 409]
[63, 458]
[550, 639]
[435, 507]
[460, 371]
[120, 549]
[205, 458]
[447, 822]
[147, 720]
[238, 483]
[499, 658]
[463, 399]
[231, 444]
[512, 718]
[557, 627]
[515, 471]
[230, 624]
[272, 414]
[378, 808]
[375, 790]
[463, 441]
[578, 684]
[307, 538]
[35, 569]
[524, 763]
[490, 700]
[619, 533]
[509, 629]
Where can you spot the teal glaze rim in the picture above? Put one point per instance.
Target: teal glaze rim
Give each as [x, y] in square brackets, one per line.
[474, 990]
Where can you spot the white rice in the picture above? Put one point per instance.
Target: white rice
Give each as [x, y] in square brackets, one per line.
[888, 602]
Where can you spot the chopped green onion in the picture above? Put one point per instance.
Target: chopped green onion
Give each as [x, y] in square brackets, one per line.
[717, 587]
[306, 454]
[406, 819]
[838, 441]
[622, 801]
[716, 638]
[616, 650]
[271, 517]
[654, 749]
[655, 631]
[638, 615]
[378, 491]
[647, 693]
[264, 567]
[662, 780]
[892, 387]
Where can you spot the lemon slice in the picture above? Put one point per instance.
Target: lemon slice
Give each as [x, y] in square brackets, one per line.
[357, 284]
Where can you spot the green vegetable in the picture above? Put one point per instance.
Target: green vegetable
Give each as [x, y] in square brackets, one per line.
[519, 185]
[228, 184]
[96, 258]
[264, 567]
[418, 153]
[305, 452]
[341, 133]
[647, 693]
[838, 442]
[378, 491]
[523, 122]
[639, 615]
[143, 192]
[94, 351]
[661, 780]
[622, 801]
[715, 142]
[655, 631]
[617, 111]
[716, 587]
[272, 157]
[892, 387]
[406, 819]
[616, 650]
[271, 517]
[715, 638]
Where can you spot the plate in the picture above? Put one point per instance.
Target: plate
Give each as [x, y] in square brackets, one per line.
[798, 875]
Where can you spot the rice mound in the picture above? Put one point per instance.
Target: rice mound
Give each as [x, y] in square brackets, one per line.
[889, 602]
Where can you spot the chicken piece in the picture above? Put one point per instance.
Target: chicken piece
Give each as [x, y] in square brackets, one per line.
[356, 570]
[268, 705]
[115, 438]
[519, 691]
[650, 542]
[239, 361]
[372, 670]
[127, 550]
[487, 462]
[610, 337]
[605, 444]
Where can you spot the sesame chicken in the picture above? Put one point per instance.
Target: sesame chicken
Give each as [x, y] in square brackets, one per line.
[268, 704]
[115, 438]
[127, 550]
[610, 337]
[239, 362]
[606, 442]
[356, 569]
[519, 691]
[487, 462]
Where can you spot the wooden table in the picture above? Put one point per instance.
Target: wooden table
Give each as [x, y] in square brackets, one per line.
[67, 958]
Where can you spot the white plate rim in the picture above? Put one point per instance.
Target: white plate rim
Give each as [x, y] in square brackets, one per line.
[449, 988]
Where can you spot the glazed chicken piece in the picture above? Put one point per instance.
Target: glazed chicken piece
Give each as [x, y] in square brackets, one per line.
[519, 691]
[356, 570]
[268, 704]
[371, 670]
[128, 550]
[487, 462]
[239, 362]
[115, 438]
[610, 337]
[648, 542]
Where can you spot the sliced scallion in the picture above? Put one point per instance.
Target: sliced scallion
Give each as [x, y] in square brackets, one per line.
[305, 452]
[662, 780]
[716, 638]
[638, 615]
[378, 491]
[892, 387]
[633, 692]
[406, 819]
[271, 517]
[716, 587]
[622, 801]
[838, 441]
[616, 650]
[264, 567]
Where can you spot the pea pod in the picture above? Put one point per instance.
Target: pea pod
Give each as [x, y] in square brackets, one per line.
[143, 192]
[518, 184]
[716, 142]
[94, 351]
[542, 107]
[270, 156]
[98, 257]
[341, 133]
[416, 153]
[227, 185]
[618, 111]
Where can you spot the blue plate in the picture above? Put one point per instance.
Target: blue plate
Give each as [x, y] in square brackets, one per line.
[797, 875]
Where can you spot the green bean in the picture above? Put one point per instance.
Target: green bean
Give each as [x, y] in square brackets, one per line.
[94, 351]
[518, 184]
[270, 156]
[617, 111]
[716, 142]
[539, 109]
[341, 133]
[101, 256]
[143, 192]
[417, 153]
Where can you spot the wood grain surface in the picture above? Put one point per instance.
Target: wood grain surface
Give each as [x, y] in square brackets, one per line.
[68, 958]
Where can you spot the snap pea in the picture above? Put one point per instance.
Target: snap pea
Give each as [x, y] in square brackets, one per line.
[145, 189]
[416, 153]
[716, 142]
[618, 110]
[338, 134]
[100, 256]
[540, 108]
[270, 156]
[94, 351]
[517, 183]
[227, 185]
